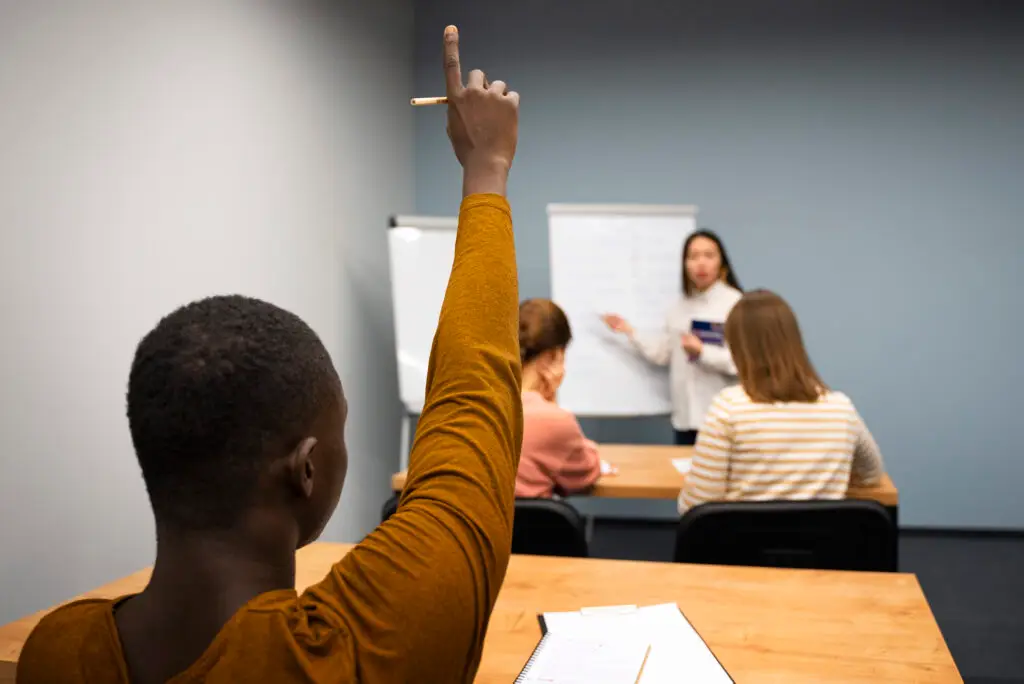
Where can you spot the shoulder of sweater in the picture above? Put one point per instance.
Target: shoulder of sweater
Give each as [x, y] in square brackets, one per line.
[723, 292]
[836, 397]
[733, 394]
[716, 296]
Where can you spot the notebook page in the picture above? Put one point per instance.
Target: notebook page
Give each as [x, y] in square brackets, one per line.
[676, 647]
[565, 659]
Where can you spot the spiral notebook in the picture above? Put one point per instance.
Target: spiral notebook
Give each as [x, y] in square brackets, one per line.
[566, 659]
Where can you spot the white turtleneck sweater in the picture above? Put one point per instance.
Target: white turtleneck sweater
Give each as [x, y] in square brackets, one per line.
[693, 384]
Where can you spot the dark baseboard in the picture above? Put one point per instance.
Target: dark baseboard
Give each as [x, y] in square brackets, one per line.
[636, 522]
[960, 532]
[905, 530]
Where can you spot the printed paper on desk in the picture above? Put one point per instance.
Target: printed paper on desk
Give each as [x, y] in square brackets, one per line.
[676, 647]
[682, 464]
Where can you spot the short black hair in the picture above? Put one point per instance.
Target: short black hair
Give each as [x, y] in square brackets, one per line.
[216, 388]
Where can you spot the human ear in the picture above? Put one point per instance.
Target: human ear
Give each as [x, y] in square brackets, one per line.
[301, 468]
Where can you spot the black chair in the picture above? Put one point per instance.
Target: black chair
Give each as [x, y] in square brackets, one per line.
[390, 506]
[824, 535]
[548, 527]
[542, 527]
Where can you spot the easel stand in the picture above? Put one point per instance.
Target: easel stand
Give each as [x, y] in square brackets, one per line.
[405, 446]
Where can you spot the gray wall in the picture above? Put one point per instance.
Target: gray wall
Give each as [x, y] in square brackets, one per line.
[864, 159]
[155, 153]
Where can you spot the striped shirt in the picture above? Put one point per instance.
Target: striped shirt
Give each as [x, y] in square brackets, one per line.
[748, 451]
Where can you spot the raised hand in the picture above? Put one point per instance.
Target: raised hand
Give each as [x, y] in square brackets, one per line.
[483, 123]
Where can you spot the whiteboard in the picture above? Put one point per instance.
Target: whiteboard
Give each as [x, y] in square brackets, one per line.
[421, 251]
[624, 259]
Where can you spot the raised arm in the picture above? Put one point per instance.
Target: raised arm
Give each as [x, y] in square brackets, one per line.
[417, 593]
[655, 347]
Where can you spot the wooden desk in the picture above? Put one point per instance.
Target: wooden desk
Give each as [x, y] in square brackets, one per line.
[791, 626]
[646, 472]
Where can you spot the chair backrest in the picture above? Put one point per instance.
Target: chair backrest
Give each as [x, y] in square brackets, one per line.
[542, 527]
[548, 527]
[825, 535]
[389, 507]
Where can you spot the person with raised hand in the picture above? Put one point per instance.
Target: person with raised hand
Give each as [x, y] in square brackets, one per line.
[237, 417]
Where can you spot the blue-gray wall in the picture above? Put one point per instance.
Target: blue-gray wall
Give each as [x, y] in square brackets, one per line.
[864, 159]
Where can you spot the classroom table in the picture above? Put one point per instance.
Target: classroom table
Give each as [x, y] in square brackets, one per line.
[764, 625]
[645, 471]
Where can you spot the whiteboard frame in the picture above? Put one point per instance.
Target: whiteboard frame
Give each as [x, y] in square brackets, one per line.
[398, 222]
[629, 210]
[424, 222]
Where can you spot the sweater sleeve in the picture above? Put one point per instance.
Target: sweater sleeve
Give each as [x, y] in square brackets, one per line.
[656, 347]
[867, 465]
[581, 465]
[416, 594]
[718, 359]
[708, 478]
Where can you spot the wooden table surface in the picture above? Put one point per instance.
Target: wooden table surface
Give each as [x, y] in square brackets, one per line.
[777, 626]
[646, 472]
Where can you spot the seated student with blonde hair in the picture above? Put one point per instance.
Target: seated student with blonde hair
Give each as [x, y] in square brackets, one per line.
[556, 457]
[782, 433]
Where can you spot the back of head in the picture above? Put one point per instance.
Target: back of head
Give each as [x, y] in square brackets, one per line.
[217, 390]
[766, 344]
[543, 327]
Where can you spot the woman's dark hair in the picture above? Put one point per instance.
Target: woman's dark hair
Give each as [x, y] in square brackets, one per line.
[730, 275]
[542, 327]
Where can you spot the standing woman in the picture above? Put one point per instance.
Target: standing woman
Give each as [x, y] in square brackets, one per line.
[692, 343]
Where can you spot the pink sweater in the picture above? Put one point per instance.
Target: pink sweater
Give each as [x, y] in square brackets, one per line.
[556, 457]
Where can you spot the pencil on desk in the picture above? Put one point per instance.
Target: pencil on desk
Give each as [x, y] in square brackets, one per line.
[640, 674]
[422, 101]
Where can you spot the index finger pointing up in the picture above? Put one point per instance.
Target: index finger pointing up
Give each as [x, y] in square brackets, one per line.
[452, 68]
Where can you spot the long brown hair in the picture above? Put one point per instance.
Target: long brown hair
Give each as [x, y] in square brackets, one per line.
[542, 327]
[766, 344]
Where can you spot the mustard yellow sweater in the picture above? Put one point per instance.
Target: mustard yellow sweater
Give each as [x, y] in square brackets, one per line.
[412, 601]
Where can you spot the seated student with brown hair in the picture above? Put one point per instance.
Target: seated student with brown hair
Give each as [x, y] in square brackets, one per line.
[237, 416]
[782, 433]
[556, 457]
